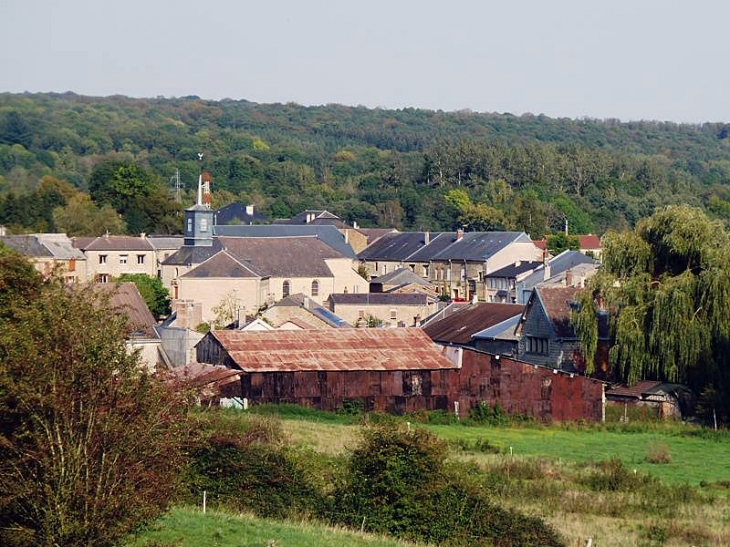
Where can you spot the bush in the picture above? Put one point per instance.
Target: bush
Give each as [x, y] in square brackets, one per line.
[254, 471]
[398, 483]
[90, 445]
[613, 476]
[484, 414]
[658, 453]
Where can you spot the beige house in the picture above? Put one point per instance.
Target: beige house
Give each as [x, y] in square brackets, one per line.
[51, 254]
[382, 309]
[110, 256]
[300, 311]
[353, 235]
[456, 263]
[225, 287]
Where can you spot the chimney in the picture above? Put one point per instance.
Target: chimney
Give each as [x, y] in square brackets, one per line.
[347, 236]
[518, 262]
[143, 235]
[354, 225]
[426, 238]
[249, 210]
[459, 234]
[569, 278]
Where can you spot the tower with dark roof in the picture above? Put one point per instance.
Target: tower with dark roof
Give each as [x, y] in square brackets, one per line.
[199, 217]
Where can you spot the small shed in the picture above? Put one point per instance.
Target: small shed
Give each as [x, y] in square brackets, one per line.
[665, 399]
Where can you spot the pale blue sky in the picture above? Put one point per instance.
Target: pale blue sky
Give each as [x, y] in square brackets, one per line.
[639, 59]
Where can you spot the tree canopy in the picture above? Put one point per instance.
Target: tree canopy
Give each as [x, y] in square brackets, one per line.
[666, 287]
[90, 445]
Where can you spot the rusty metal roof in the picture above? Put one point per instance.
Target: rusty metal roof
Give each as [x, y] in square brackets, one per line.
[124, 299]
[332, 349]
[199, 374]
[459, 327]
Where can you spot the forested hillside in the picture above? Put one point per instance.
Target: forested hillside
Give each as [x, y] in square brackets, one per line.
[84, 165]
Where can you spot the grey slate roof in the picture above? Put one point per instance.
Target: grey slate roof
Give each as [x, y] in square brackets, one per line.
[119, 243]
[476, 246]
[166, 242]
[394, 246]
[57, 246]
[398, 277]
[501, 331]
[223, 264]
[559, 264]
[379, 299]
[473, 246]
[327, 234]
[192, 255]
[513, 270]
[26, 245]
[233, 212]
[283, 256]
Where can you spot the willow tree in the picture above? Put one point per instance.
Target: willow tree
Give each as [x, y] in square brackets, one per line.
[666, 288]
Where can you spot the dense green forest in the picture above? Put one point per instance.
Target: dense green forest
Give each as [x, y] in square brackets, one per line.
[85, 165]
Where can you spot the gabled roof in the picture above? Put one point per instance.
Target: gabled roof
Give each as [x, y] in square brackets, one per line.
[589, 241]
[504, 330]
[124, 298]
[57, 246]
[556, 302]
[460, 326]
[26, 245]
[373, 234]
[302, 301]
[645, 389]
[188, 255]
[119, 243]
[222, 265]
[398, 277]
[514, 270]
[165, 242]
[477, 246]
[472, 246]
[379, 299]
[558, 265]
[283, 256]
[327, 234]
[332, 350]
[394, 246]
[232, 212]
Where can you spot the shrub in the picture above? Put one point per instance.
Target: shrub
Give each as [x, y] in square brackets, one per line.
[398, 483]
[484, 414]
[658, 453]
[90, 445]
[255, 471]
[613, 476]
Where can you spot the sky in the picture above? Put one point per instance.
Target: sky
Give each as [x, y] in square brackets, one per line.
[626, 59]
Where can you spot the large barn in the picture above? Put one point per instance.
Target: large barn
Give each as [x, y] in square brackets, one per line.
[392, 370]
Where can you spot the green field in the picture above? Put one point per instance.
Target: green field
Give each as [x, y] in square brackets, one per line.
[189, 527]
[694, 459]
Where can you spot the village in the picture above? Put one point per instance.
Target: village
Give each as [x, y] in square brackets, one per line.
[313, 311]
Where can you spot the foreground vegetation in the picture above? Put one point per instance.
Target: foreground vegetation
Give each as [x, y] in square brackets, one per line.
[189, 527]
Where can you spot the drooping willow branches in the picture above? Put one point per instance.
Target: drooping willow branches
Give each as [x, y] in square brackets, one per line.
[666, 289]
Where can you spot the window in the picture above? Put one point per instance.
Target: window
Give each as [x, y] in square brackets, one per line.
[102, 259]
[203, 224]
[394, 314]
[140, 259]
[102, 278]
[425, 271]
[448, 274]
[355, 288]
[190, 225]
[285, 288]
[385, 269]
[72, 265]
[123, 259]
[315, 288]
[536, 345]
[361, 314]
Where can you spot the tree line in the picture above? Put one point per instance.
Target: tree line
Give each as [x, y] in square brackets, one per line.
[378, 167]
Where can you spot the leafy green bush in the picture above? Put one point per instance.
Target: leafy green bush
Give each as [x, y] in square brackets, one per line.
[613, 476]
[484, 414]
[398, 483]
[253, 471]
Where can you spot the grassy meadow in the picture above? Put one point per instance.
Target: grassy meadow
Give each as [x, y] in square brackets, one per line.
[189, 527]
[617, 484]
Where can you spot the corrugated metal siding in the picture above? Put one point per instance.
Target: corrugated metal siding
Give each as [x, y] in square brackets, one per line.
[518, 387]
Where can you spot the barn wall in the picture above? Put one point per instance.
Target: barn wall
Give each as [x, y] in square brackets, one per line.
[520, 388]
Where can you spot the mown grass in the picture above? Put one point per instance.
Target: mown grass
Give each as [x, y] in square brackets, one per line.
[189, 527]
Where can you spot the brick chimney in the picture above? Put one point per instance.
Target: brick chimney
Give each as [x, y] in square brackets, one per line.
[569, 278]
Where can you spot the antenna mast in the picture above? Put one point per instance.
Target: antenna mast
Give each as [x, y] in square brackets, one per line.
[177, 186]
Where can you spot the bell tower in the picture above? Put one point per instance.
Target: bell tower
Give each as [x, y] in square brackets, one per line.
[198, 227]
